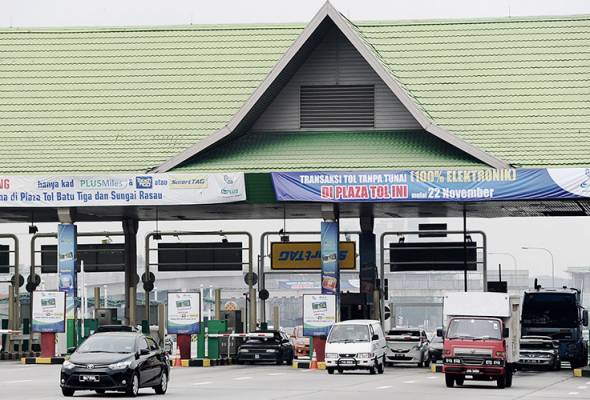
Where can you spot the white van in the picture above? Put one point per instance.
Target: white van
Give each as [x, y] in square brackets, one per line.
[356, 344]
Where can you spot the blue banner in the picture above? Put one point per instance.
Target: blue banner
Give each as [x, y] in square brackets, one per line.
[433, 185]
[329, 251]
[66, 264]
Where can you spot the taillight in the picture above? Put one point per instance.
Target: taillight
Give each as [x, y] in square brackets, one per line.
[500, 354]
[447, 352]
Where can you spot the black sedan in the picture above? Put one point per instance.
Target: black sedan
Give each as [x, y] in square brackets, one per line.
[116, 361]
[266, 346]
[539, 352]
[435, 349]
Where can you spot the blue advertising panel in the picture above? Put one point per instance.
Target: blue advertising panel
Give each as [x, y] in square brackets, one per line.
[319, 314]
[66, 264]
[433, 185]
[329, 251]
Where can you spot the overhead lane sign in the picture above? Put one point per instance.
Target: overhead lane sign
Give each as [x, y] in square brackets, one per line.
[433, 185]
[121, 190]
[307, 255]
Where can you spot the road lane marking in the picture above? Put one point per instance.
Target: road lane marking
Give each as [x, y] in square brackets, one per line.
[382, 387]
[432, 377]
[19, 381]
[582, 387]
[571, 393]
[276, 374]
[242, 378]
[202, 383]
[306, 370]
[410, 382]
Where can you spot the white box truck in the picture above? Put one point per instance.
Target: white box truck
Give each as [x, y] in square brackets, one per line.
[482, 337]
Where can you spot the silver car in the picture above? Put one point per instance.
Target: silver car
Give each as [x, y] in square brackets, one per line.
[407, 346]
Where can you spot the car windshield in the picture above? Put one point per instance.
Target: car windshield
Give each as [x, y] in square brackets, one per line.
[263, 340]
[436, 339]
[536, 345]
[474, 328]
[108, 344]
[349, 333]
[556, 310]
[406, 335]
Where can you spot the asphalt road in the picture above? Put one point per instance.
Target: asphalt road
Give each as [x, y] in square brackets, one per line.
[40, 382]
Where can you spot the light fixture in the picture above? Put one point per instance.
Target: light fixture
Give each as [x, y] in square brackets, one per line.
[33, 228]
[402, 239]
[468, 238]
[107, 240]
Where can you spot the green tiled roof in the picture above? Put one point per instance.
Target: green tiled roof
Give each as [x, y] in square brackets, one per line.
[516, 88]
[265, 152]
[104, 100]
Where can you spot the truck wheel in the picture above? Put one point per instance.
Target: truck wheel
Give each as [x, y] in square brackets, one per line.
[449, 380]
[501, 382]
[557, 365]
[460, 381]
[509, 378]
[330, 371]
[381, 367]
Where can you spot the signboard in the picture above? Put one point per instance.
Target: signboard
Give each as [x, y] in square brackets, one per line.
[307, 255]
[120, 190]
[319, 314]
[200, 256]
[433, 185]
[432, 256]
[4, 259]
[66, 265]
[49, 311]
[329, 252]
[97, 257]
[184, 313]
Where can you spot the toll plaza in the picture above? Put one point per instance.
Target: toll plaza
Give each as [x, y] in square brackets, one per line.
[331, 120]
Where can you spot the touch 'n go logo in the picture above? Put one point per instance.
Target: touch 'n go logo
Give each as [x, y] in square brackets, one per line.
[143, 182]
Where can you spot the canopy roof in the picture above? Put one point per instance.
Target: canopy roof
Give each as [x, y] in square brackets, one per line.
[513, 91]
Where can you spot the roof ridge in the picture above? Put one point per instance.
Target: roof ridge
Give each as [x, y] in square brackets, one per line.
[482, 20]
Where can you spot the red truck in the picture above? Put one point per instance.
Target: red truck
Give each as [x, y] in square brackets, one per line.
[482, 337]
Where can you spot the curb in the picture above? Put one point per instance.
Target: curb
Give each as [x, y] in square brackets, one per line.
[307, 364]
[42, 360]
[5, 356]
[202, 362]
[582, 372]
[436, 368]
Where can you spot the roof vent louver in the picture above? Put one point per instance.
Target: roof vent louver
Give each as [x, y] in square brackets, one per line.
[337, 106]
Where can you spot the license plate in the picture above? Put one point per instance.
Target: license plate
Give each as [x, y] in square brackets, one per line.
[472, 371]
[89, 378]
[256, 356]
[346, 362]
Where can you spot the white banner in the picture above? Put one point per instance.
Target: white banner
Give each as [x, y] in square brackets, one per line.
[121, 190]
[49, 311]
[319, 314]
[184, 312]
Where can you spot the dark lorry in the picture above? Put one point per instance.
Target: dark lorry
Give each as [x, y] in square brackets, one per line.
[557, 313]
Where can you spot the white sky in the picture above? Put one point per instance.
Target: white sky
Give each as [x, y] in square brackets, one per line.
[23, 13]
[566, 237]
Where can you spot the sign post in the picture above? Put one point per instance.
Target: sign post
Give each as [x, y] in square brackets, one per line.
[184, 319]
[319, 314]
[49, 318]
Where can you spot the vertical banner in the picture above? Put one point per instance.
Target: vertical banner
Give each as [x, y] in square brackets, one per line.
[184, 313]
[329, 251]
[319, 314]
[66, 265]
[49, 311]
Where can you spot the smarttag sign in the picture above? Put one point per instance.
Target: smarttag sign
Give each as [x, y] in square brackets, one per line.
[307, 255]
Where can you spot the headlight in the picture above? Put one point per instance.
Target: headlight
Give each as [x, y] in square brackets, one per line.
[271, 351]
[331, 355]
[68, 365]
[366, 355]
[243, 350]
[120, 365]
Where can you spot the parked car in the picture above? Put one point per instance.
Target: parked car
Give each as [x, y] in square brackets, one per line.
[266, 346]
[300, 342]
[407, 346]
[539, 352]
[356, 344]
[435, 349]
[116, 361]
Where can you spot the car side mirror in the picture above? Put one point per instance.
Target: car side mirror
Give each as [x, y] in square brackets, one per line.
[144, 352]
[505, 332]
[71, 350]
[585, 317]
[375, 337]
[439, 332]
